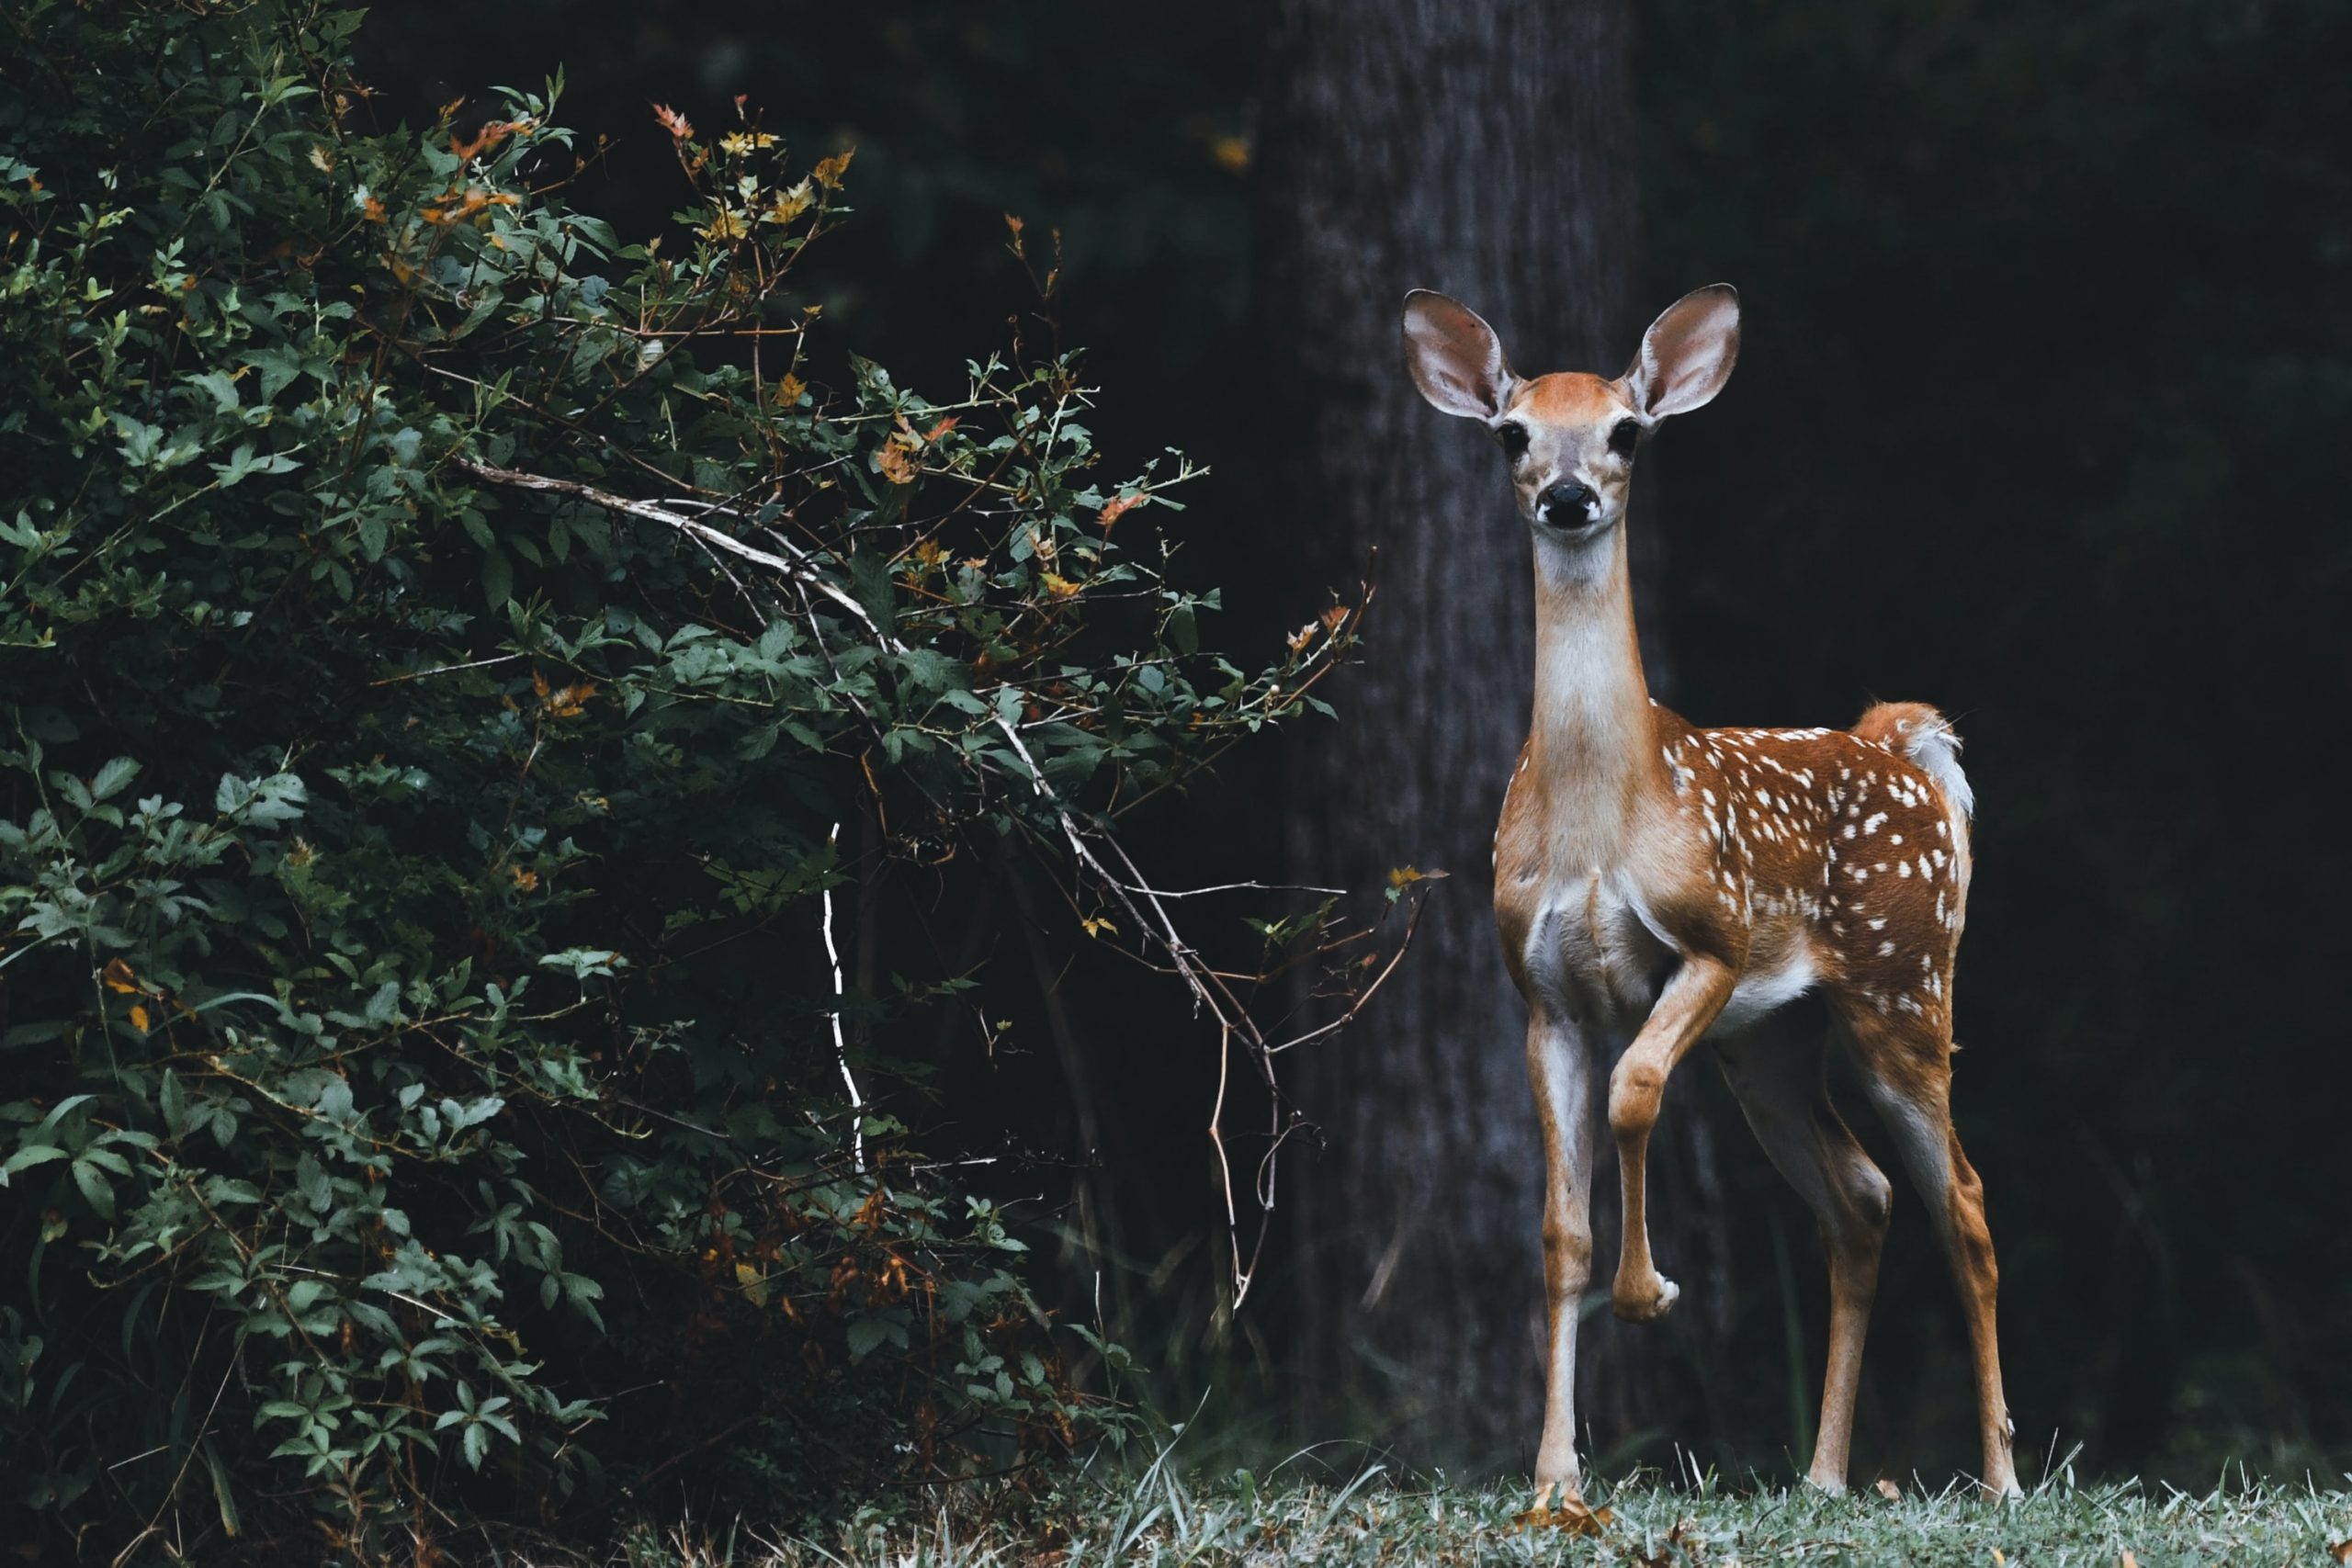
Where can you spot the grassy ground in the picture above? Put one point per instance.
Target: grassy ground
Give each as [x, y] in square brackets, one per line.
[1376, 1519]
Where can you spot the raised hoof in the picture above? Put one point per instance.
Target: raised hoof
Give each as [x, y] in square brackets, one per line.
[1644, 1302]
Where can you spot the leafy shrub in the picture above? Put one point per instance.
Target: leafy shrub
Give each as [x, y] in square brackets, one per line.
[454, 663]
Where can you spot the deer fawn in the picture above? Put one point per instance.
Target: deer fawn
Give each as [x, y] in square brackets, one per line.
[1672, 883]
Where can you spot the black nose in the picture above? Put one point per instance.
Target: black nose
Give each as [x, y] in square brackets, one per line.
[1564, 503]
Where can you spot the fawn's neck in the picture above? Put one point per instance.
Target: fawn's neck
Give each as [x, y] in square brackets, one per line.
[1591, 743]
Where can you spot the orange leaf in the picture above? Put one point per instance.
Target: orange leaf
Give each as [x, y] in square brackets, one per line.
[526, 881]
[1571, 1516]
[829, 172]
[942, 428]
[788, 390]
[896, 461]
[673, 122]
[140, 1021]
[1112, 511]
[491, 134]
[118, 977]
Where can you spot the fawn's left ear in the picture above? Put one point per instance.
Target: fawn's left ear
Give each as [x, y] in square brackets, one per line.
[1688, 353]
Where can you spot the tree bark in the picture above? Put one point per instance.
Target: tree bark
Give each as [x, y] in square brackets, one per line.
[1483, 148]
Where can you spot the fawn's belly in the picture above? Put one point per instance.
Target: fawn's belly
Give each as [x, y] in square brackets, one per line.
[1590, 955]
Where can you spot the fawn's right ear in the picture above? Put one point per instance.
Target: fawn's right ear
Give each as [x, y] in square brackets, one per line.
[1456, 360]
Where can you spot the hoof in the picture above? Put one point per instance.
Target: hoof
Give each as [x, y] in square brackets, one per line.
[1647, 1301]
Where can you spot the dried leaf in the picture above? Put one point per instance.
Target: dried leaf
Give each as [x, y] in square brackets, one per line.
[1569, 1515]
[673, 122]
[829, 172]
[896, 460]
[1888, 1490]
[1112, 511]
[118, 977]
[788, 390]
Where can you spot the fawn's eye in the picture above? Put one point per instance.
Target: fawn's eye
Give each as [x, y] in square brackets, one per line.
[1514, 440]
[1625, 437]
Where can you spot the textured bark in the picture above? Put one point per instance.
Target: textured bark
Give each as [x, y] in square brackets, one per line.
[1483, 149]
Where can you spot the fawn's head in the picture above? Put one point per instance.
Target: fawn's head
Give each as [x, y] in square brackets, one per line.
[1570, 437]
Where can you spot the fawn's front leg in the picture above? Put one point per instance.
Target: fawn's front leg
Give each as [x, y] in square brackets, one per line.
[1688, 1005]
[1559, 1065]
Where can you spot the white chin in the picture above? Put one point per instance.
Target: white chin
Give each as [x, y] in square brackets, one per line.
[1574, 533]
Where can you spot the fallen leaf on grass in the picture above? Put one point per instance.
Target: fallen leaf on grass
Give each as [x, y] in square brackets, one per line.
[1569, 1515]
[1888, 1490]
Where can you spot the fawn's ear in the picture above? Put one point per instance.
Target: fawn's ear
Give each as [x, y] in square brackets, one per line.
[1688, 353]
[1457, 359]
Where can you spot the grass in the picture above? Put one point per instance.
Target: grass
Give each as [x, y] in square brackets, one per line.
[1377, 1517]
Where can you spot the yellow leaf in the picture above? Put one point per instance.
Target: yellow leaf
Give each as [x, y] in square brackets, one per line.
[322, 160]
[1060, 587]
[139, 1019]
[754, 1284]
[1405, 876]
[788, 390]
[526, 881]
[789, 205]
[829, 171]
[118, 977]
[735, 144]
[1096, 925]
[1231, 153]
[726, 224]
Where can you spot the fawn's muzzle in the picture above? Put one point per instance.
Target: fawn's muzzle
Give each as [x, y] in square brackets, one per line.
[1566, 505]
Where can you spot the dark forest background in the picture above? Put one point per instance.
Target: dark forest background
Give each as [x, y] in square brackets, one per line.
[2041, 416]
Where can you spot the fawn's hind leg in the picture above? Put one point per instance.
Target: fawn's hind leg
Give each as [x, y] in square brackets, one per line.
[1905, 1062]
[1780, 1085]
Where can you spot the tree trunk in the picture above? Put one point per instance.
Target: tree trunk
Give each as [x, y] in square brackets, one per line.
[1485, 150]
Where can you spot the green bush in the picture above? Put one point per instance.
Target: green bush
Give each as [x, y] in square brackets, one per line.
[454, 663]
